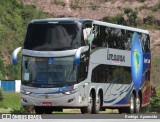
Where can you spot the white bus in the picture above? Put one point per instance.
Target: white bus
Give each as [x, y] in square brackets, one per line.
[86, 64]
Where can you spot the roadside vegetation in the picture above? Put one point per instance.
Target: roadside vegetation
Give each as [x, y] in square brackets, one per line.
[14, 17]
[10, 101]
[155, 102]
[129, 17]
[154, 106]
[11, 104]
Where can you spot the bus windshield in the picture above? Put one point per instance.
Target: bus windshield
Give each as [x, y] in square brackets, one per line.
[48, 72]
[52, 37]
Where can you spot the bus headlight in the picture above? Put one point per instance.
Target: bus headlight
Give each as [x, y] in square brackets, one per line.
[25, 92]
[71, 91]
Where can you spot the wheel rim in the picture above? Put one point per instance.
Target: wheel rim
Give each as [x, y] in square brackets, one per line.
[132, 104]
[138, 104]
[98, 103]
[90, 105]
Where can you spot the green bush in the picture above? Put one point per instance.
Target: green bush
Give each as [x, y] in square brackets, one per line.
[21, 110]
[11, 104]
[127, 10]
[59, 2]
[118, 19]
[2, 69]
[1, 95]
[150, 19]
[75, 4]
[155, 102]
[132, 17]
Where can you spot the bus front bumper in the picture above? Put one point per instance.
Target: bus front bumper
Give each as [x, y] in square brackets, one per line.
[51, 100]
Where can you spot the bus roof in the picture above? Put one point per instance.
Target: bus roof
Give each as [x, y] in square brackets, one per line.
[54, 20]
[120, 26]
[60, 20]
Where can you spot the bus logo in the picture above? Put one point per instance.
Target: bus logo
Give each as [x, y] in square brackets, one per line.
[136, 57]
[115, 57]
[136, 61]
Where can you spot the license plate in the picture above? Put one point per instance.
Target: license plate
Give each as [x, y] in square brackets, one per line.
[47, 104]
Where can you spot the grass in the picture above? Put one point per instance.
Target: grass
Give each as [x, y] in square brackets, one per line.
[11, 102]
[155, 102]
[155, 69]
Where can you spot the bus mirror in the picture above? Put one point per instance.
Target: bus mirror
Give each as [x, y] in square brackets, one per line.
[90, 38]
[15, 55]
[78, 54]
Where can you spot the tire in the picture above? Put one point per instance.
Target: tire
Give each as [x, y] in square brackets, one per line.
[137, 104]
[131, 108]
[90, 109]
[99, 103]
[42, 110]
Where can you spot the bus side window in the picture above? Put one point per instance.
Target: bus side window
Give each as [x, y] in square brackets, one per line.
[94, 44]
[86, 30]
[147, 44]
[145, 41]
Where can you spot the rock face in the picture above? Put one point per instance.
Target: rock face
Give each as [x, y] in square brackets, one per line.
[155, 42]
[98, 9]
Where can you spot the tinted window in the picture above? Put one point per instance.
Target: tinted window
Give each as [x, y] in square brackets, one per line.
[111, 74]
[117, 38]
[83, 67]
[145, 40]
[48, 72]
[52, 37]
[85, 26]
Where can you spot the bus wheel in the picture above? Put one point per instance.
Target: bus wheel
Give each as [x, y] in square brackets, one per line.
[90, 108]
[131, 108]
[137, 104]
[98, 105]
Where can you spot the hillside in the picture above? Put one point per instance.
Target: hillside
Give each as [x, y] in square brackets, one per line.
[15, 14]
[14, 17]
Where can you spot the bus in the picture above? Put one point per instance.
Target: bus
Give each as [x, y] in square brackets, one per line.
[86, 64]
